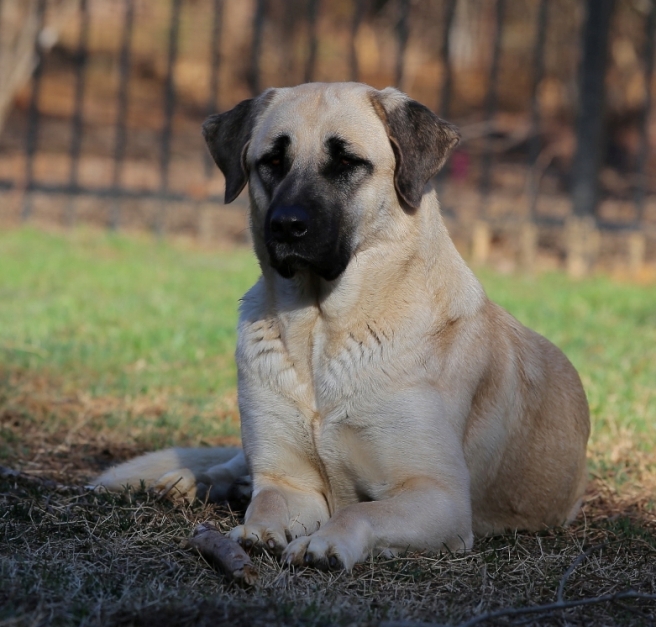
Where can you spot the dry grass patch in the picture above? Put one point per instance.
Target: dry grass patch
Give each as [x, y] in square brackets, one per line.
[69, 556]
[71, 436]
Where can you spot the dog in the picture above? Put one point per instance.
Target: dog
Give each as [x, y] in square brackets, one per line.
[386, 403]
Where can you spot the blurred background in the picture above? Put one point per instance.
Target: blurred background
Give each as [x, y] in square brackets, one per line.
[121, 271]
[101, 103]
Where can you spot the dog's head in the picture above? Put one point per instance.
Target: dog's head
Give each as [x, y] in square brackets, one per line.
[327, 164]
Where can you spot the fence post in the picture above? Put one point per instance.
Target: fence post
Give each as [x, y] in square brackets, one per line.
[643, 150]
[538, 75]
[402, 34]
[77, 122]
[481, 242]
[256, 47]
[528, 246]
[637, 246]
[215, 65]
[33, 115]
[446, 87]
[313, 44]
[169, 111]
[582, 239]
[120, 138]
[491, 109]
[358, 14]
[589, 126]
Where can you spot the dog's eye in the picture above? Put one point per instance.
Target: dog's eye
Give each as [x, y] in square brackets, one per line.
[346, 166]
[273, 161]
[347, 162]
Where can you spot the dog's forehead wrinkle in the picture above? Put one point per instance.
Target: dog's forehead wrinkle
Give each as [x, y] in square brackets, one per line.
[280, 142]
[342, 144]
[310, 114]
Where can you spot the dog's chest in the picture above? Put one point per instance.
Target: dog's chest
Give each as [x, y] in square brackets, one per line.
[317, 368]
[337, 388]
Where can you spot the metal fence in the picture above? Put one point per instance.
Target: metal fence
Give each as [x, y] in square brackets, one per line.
[119, 87]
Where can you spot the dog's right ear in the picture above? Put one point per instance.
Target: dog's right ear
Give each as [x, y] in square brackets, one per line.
[227, 136]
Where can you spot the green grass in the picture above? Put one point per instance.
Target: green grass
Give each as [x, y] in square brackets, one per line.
[126, 315]
[121, 315]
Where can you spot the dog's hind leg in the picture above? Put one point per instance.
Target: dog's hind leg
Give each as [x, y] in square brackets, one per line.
[180, 473]
[228, 481]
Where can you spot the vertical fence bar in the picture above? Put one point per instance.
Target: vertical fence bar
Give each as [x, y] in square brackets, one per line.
[256, 47]
[215, 66]
[122, 111]
[491, 108]
[643, 151]
[169, 110]
[288, 57]
[77, 124]
[446, 88]
[33, 115]
[402, 33]
[590, 119]
[445, 56]
[4, 49]
[538, 74]
[358, 14]
[310, 66]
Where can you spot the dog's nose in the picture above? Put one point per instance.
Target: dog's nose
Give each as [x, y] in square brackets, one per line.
[289, 223]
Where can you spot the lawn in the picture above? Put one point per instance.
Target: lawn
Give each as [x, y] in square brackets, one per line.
[112, 344]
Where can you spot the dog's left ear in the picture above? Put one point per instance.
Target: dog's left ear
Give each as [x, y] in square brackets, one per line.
[420, 139]
[228, 135]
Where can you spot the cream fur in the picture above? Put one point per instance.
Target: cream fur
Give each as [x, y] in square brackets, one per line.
[395, 407]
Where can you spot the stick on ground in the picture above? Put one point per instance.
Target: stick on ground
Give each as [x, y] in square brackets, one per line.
[223, 553]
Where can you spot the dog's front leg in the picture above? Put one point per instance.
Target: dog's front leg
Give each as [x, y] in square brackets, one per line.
[289, 491]
[421, 515]
[279, 512]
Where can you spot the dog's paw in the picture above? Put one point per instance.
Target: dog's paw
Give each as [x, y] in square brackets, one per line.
[238, 494]
[260, 537]
[240, 491]
[322, 552]
[177, 485]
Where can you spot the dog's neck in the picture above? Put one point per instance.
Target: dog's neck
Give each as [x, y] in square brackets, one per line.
[422, 253]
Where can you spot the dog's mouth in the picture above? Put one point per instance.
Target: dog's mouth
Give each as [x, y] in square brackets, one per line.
[287, 265]
[299, 238]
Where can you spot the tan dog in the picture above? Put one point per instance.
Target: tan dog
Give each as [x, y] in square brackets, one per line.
[386, 403]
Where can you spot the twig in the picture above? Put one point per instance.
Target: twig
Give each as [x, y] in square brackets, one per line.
[163, 495]
[574, 565]
[223, 553]
[559, 605]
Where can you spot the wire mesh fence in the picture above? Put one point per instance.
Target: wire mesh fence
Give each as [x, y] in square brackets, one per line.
[103, 99]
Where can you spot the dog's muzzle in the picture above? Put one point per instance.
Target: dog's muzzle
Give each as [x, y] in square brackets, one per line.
[298, 237]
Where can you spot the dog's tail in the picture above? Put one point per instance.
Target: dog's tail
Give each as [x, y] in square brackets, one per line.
[180, 472]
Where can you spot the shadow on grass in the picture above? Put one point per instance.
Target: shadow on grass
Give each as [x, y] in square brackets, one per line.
[73, 557]
[69, 556]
